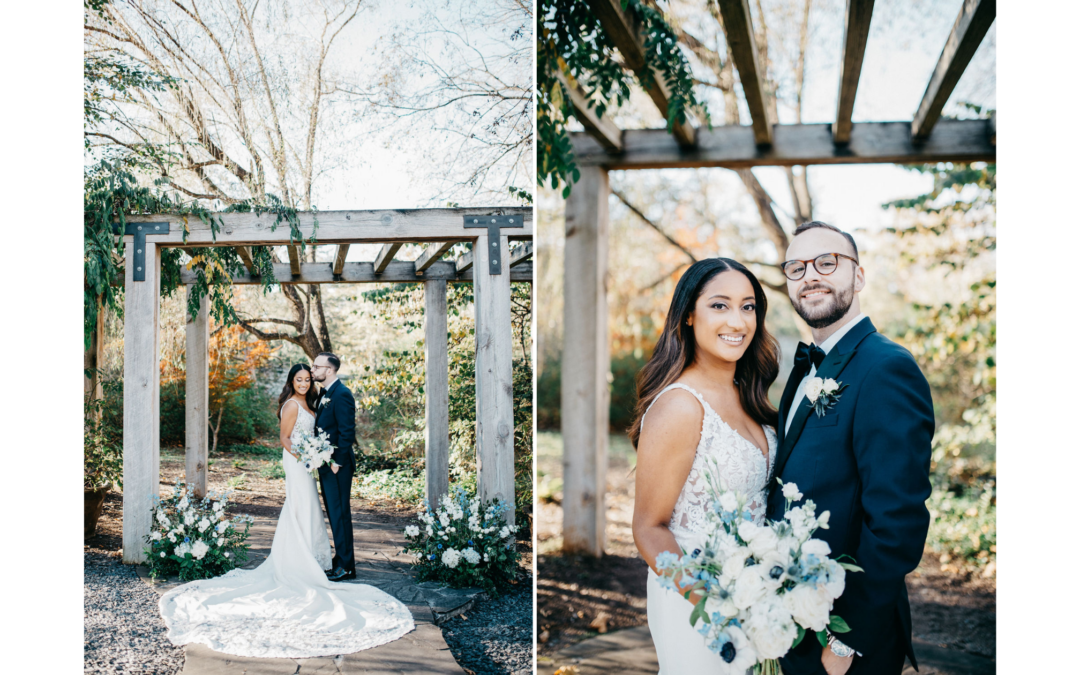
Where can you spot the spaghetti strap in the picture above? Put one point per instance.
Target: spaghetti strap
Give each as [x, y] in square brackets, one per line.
[291, 400]
[677, 385]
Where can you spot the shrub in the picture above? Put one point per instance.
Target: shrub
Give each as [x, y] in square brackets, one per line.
[194, 539]
[465, 542]
[103, 437]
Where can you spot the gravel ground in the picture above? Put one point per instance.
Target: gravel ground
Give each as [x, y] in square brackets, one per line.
[122, 630]
[495, 636]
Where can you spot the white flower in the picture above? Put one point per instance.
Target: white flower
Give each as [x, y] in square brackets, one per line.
[745, 656]
[728, 501]
[834, 587]
[182, 549]
[734, 565]
[451, 558]
[791, 491]
[453, 530]
[199, 549]
[748, 530]
[220, 541]
[156, 536]
[172, 537]
[809, 606]
[765, 541]
[774, 566]
[227, 554]
[770, 628]
[412, 531]
[829, 386]
[749, 587]
[817, 547]
[504, 532]
[162, 518]
[445, 537]
[444, 520]
[823, 520]
[812, 388]
[163, 554]
[189, 518]
[471, 556]
[485, 557]
[203, 524]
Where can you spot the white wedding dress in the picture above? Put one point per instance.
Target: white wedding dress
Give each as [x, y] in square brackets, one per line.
[286, 607]
[743, 468]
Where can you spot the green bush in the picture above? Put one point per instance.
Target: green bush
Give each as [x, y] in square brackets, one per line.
[963, 522]
[248, 415]
[103, 437]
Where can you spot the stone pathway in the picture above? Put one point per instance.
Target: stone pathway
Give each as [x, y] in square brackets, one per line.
[630, 652]
[378, 541]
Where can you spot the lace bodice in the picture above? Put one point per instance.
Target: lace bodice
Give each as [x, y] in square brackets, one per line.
[305, 423]
[737, 464]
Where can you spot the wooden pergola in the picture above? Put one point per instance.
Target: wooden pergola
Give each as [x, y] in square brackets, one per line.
[490, 267]
[604, 147]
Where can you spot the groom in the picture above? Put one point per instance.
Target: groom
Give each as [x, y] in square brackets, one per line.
[337, 417]
[866, 460]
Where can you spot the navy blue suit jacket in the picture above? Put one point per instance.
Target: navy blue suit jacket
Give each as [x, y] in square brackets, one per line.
[867, 462]
[337, 417]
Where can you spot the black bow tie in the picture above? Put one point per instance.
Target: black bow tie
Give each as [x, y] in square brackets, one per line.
[805, 353]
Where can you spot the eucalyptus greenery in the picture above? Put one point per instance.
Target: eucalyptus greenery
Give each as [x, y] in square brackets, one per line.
[572, 42]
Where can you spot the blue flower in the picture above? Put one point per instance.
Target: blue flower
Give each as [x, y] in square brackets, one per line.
[440, 545]
[471, 543]
[431, 557]
[666, 559]
[186, 540]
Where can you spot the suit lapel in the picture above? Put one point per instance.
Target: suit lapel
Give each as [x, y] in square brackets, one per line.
[785, 402]
[831, 367]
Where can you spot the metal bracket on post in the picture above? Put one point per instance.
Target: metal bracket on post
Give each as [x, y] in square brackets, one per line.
[139, 231]
[493, 224]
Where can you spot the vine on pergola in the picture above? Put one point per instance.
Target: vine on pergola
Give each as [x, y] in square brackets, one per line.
[572, 42]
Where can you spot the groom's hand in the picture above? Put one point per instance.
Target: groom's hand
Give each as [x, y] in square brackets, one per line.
[835, 665]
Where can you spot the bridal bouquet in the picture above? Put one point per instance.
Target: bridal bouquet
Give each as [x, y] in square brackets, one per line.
[315, 451]
[762, 586]
[464, 542]
[193, 538]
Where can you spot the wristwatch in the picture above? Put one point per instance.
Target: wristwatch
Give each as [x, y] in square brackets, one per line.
[839, 648]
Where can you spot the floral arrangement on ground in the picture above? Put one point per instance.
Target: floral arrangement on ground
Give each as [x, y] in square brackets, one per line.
[465, 542]
[193, 538]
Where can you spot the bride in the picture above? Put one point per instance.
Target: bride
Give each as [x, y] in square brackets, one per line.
[286, 607]
[702, 403]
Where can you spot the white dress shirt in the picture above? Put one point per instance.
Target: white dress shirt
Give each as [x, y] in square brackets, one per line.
[827, 347]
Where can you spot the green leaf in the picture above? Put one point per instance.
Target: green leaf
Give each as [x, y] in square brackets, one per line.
[851, 568]
[699, 612]
[822, 637]
[802, 634]
[838, 625]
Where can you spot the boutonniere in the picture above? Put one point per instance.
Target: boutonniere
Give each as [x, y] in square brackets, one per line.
[323, 401]
[822, 394]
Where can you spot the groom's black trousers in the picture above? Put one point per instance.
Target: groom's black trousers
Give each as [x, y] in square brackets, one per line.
[335, 492]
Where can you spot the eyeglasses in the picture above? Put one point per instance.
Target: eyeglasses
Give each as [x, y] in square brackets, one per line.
[825, 264]
[314, 367]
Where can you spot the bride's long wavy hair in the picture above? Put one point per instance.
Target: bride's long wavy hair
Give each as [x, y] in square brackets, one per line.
[676, 348]
[312, 395]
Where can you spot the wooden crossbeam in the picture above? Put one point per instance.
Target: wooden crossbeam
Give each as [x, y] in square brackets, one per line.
[793, 145]
[740, 38]
[432, 254]
[521, 254]
[339, 259]
[856, 31]
[465, 262]
[364, 272]
[968, 32]
[245, 257]
[385, 257]
[600, 128]
[294, 259]
[624, 30]
[334, 227]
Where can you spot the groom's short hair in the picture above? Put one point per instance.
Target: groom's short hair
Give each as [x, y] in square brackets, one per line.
[333, 360]
[814, 224]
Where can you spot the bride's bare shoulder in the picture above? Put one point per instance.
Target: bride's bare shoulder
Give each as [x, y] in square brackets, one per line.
[674, 414]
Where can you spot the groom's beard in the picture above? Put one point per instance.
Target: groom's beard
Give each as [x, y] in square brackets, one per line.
[829, 312]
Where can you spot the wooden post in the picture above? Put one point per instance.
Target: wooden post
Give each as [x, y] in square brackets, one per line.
[92, 357]
[197, 396]
[437, 390]
[142, 399]
[585, 364]
[494, 376]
